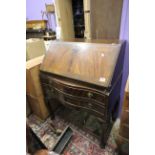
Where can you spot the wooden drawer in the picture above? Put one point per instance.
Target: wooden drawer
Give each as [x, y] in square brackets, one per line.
[91, 107]
[74, 101]
[76, 90]
[81, 92]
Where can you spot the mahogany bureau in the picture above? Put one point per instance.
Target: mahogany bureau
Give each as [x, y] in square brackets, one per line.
[85, 76]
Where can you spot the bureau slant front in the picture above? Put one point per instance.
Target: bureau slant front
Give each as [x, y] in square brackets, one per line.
[85, 76]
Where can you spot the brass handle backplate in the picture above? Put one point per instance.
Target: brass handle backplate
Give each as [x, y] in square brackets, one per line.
[90, 94]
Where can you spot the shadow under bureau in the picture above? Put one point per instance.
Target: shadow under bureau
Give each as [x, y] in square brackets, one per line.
[85, 76]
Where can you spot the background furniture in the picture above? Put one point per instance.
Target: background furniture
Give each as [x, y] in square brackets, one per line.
[105, 18]
[28, 108]
[35, 28]
[78, 18]
[86, 77]
[99, 19]
[41, 34]
[64, 18]
[49, 11]
[39, 28]
[49, 37]
[33, 88]
[123, 137]
[36, 24]
[34, 48]
[124, 130]
[31, 33]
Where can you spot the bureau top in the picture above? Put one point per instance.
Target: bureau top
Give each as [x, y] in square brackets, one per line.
[89, 62]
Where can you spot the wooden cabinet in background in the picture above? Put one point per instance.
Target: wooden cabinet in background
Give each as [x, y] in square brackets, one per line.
[64, 18]
[35, 47]
[105, 17]
[36, 24]
[102, 18]
[124, 130]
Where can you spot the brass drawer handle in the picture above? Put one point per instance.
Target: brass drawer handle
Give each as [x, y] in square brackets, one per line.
[90, 95]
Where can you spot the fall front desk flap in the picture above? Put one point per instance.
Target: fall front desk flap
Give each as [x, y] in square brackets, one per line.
[90, 62]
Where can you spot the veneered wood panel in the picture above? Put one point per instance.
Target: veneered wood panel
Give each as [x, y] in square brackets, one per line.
[105, 18]
[91, 62]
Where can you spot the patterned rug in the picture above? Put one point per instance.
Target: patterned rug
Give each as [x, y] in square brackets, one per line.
[81, 143]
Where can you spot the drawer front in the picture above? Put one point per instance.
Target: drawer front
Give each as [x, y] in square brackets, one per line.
[90, 107]
[75, 101]
[76, 91]
[84, 94]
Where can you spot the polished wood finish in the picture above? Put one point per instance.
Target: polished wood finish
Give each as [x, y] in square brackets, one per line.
[84, 76]
[75, 96]
[93, 63]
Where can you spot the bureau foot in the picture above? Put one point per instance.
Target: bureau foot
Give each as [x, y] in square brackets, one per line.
[103, 140]
[102, 145]
[105, 134]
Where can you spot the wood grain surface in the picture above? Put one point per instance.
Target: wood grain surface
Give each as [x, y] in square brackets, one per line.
[89, 62]
[105, 17]
[78, 75]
